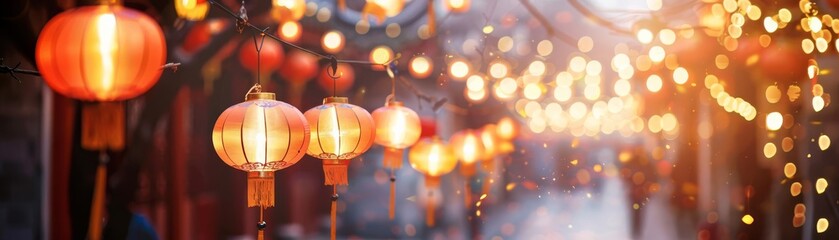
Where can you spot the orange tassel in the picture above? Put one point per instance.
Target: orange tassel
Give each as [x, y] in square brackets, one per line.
[429, 210]
[467, 194]
[261, 189]
[335, 172]
[260, 235]
[103, 126]
[392, 206]
[333, 215]
[393, 158]
[94, 231]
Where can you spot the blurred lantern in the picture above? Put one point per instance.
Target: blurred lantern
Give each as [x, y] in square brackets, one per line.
[260, 136]
[271, 55]
[458, 6]
[297, 69]
[290, 31]
[338, 85]
[192, 10]
[333, 41]
[433, 158]
[506, 129]
[342, 132]
[201, 33]
[489, 140]
[469, 148]
[288, 10]
[429, 127]
[397, 128]
[81, 54]
[421, 66]
[382, 9]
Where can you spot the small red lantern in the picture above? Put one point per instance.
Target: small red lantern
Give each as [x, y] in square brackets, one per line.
[297, 69]
[270, 56]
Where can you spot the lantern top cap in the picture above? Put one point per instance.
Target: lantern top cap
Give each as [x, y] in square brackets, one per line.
[261, 96]
[335, 100]
[395, 104]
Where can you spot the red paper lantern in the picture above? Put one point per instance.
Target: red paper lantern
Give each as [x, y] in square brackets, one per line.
[101, 53]
[429, 127]
[272, 55]
[341, 84]
[300, 67]
[201, 33]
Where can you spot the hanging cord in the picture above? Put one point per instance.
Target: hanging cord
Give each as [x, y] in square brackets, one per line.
[392, 203]
[334, 211]
[260, 226]
[258, 47]
[97, 205]
[333, 73]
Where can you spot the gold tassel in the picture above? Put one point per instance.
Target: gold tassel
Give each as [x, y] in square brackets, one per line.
[335, 172]
[393, 158]
[260, 235]
[467, 194]
[94, 231]
[261, 189]
[429, 210]
[333, 214]
[432, 22]
[392, 206]
[103, 126]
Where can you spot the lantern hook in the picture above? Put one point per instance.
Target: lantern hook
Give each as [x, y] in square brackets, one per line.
[256, 88]
[242, 20]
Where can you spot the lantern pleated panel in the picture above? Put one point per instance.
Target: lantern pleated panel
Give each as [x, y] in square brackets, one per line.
[433, 158]
[261, 136]
[340, 132]
[397, 128]
[101, 53]
[193, 10]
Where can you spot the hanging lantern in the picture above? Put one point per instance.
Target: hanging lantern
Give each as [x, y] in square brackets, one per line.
[192, 10]
[489, 140]
[103, 53]
[469, 149]
[260, 136]
[288, 10]
[81, 54]
[458, 6]
[201, 33]
[382, 9]
[397, 128]
[338, 85]
[271, 55]
[298, 68]
[433, 158]
[507, 129]
[341, 132]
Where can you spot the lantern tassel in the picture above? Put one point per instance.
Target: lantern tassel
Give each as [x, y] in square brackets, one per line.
[261, 189]
[94, 231]
[392, 206]
[335, 173]
[429, 210]
[467, 194]
[333, 214]
[103, 126]
[393, 158]
[432, 21]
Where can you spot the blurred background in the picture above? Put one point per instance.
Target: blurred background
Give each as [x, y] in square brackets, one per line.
[643, 119]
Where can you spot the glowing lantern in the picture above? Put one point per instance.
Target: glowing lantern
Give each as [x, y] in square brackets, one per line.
[260, 136]
[382, 9]
[507, 129]
[298, 68]
[338, 85]
[101, 53]
[489, 140]
[271, 55]
[81, 54]
[429, 127]
[469, 148]
[288, 10]
[192, 10]
[200, 34]
[341, 132]
[397, 128]
[433, 158]
[458, 6]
